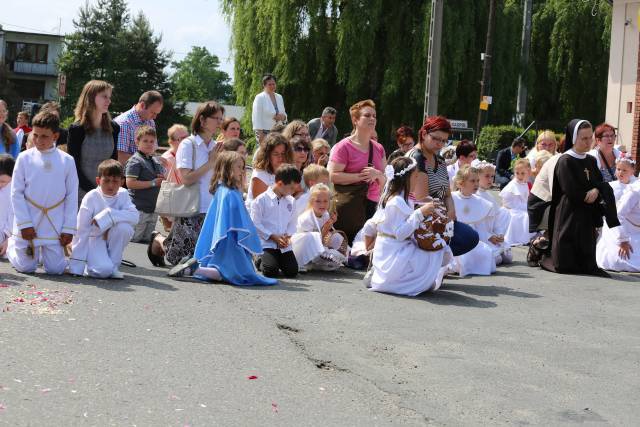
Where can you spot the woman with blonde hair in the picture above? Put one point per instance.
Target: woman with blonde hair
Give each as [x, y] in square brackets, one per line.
[320, 149]
[93, 136]
[546, 141]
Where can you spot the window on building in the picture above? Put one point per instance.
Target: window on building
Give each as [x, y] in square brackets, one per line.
[27, 52]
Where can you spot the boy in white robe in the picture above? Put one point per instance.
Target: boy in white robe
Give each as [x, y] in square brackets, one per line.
[6, 212]
[44, 194]
[106, 222]
[477, 213]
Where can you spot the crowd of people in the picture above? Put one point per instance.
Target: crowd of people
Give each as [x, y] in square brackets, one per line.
[72, 199]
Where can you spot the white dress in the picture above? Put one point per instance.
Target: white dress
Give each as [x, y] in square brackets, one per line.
[308, 247]
[6, 213]
[496, 226]
[399, 266]
[514, 199]
[628, 206]
[92, 255]
[358, 246]
[477, 213]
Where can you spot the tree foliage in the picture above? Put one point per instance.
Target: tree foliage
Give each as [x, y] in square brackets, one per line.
[336, 52]
[108, 44]
[197, 77]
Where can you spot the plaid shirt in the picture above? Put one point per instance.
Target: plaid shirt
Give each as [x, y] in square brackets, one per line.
[129, 122]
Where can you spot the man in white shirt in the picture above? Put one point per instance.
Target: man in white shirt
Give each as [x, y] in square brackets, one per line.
[272, 212]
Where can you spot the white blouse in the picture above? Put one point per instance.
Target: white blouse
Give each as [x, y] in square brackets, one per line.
[263, 111]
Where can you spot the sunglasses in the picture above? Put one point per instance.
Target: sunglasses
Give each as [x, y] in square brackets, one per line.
[300, 149]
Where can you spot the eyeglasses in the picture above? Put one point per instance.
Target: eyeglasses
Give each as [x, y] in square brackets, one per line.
[608, 135]
[436, 139]
[300, 149]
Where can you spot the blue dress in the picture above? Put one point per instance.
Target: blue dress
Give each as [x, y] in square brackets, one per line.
[228, 238]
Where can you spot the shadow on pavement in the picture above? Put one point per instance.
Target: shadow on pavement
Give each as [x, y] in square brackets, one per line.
[489, 291]
[445, 297]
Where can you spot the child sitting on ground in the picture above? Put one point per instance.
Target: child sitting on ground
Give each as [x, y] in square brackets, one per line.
[311, 175]
[316, 245]
[44, 195]
[6, 212]
[144, 175]
[105, 225]
[514, 198]
[228, 238]
[272, 213]
[479, 214]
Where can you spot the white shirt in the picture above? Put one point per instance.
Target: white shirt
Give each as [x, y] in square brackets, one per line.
[184, 157]
[107, 211]
[273, 215]
[268, 178]
[263, 111]
[6, 212]
[47, 178]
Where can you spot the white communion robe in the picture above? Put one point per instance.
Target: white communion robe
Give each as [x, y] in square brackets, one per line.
[514, 199]
[308, 247]
[478, 214]
[497, 227]
[44, 194]
[6, 213]
[115, 215]
[628, 206]
[399, 266]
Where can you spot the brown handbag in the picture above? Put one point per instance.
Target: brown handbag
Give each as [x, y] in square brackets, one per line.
[350, 202]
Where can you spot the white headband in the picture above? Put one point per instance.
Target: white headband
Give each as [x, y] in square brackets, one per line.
[390, 174]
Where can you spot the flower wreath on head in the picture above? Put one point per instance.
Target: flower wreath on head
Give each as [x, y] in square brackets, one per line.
[483, 164]
[390, 173]
[626, 158]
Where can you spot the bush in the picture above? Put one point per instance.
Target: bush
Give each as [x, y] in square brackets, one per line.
[67, 122]
[494, 138]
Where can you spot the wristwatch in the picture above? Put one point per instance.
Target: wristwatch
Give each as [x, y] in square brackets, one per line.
[153, 183]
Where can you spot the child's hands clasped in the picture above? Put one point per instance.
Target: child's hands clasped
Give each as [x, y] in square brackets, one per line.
[282, 241]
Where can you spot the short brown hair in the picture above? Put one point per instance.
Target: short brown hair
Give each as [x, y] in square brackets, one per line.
[145, 130]
[23, 114]
[204, 110]
[110, 167]
[47, 120]
[232, 144]
[356, 108]
[150, 97]
[227, 121]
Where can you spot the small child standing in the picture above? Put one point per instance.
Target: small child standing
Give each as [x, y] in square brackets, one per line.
[514, 198]
[144, 175]
[316, 244]
[311, 175]
[501, 217]
[272, 213]
[479, 214]
[44, 195]
[105, 225]
[6, 212]
[228, 238]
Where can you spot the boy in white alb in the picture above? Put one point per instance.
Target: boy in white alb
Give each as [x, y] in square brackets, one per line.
[44, 194]
[272, 212]
[106, 221]
[6, 212]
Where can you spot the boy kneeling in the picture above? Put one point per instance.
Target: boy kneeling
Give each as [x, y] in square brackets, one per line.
[105, 225]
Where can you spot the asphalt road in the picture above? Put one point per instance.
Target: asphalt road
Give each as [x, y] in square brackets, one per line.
[522, 347]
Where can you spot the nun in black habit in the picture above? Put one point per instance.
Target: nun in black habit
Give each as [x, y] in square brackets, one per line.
[580, 199]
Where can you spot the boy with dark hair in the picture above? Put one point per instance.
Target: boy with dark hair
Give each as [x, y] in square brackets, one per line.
[44, 194]
[105, 225]
[144, 175]
[273, 214]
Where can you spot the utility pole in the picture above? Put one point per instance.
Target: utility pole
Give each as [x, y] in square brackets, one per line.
[485, 84]
[433, 60]
[521, 106]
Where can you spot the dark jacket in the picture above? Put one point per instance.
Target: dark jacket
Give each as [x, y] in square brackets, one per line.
[330, 135]
[74, 148]
[503, 162]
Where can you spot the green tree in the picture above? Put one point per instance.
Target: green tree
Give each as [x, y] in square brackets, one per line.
[198, 78]
[108, 45]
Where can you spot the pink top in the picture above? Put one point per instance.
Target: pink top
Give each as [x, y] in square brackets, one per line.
[169, 162]
[345, 153]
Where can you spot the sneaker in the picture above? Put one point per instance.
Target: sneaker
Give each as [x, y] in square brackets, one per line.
[117, 274]
[367, 279]
[185, 268]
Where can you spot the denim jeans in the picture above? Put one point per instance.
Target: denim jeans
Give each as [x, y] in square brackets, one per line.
[464, 238]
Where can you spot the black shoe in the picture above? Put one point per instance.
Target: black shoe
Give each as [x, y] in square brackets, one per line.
[184, 268]
[156, 260]
[600, 273]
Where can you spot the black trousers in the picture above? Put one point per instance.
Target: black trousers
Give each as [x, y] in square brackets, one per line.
[273, 260]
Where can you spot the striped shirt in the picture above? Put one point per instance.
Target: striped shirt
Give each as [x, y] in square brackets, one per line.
[129, 122]
[438, 175]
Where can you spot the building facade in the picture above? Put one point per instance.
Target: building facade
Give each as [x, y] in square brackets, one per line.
[30, 59]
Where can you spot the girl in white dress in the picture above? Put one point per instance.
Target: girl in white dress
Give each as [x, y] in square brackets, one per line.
[315, 228]
[399, 266]
[514, 198]
[6, 211]
[479, 214]
[619, 248]
[495, 231]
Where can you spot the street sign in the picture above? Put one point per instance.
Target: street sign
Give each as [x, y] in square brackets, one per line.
[459, 124]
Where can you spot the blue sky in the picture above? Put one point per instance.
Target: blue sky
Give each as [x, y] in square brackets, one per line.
[182, 23]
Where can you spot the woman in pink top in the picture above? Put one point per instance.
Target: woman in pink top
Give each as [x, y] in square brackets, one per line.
[358, 160]
[176, 133]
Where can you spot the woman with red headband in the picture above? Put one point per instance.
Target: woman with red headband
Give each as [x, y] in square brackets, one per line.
[433, 179]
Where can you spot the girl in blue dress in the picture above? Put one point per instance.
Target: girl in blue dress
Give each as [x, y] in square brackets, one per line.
[228, 238]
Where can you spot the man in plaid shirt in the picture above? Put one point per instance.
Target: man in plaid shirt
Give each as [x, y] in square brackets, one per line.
[148, 107]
